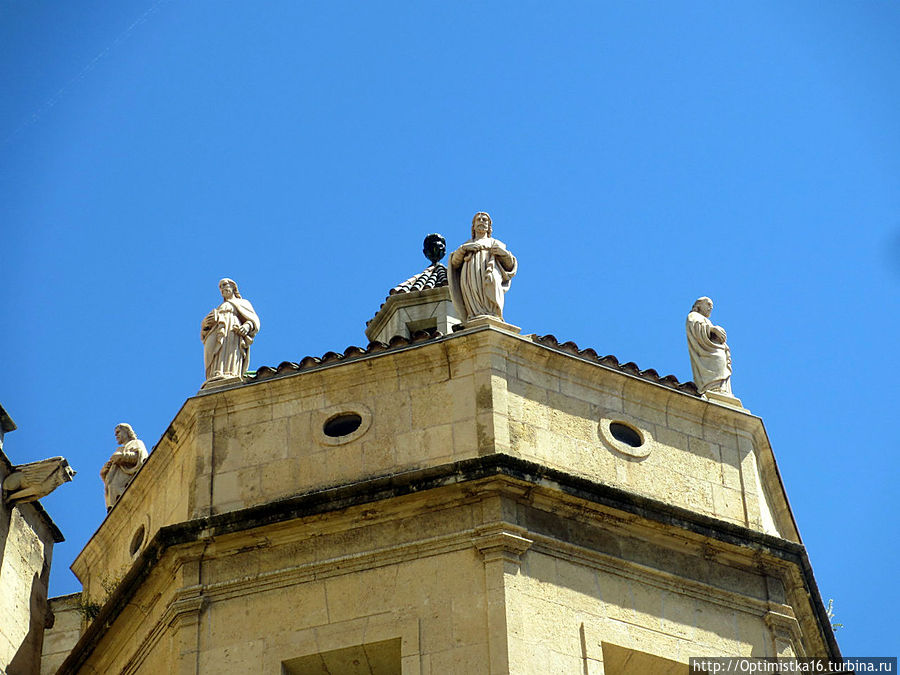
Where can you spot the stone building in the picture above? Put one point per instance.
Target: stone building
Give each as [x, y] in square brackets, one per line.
[27, 535]
[469, 501]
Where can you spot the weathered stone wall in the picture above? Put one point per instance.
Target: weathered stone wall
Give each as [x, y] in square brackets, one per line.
[62, 636]
[26, 548]
[256, 444]
[701, 457]
[405, 570]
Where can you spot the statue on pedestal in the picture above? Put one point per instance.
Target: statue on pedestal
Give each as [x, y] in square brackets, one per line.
[124, 463]
[480, 272]
[227, 333]
[710, 355]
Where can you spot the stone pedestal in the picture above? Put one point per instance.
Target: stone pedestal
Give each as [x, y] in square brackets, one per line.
[725, 399]
[486, 320]
[218, 382]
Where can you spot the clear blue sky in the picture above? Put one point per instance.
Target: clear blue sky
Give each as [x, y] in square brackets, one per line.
[633, 155]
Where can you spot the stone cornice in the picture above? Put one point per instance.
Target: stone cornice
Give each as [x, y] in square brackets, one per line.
[457, 473]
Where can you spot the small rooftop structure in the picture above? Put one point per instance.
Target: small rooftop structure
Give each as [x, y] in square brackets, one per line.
[422, 302]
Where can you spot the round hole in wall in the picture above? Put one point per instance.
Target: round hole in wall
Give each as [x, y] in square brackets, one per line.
[136, 541]
[342, 424]
[626, 434]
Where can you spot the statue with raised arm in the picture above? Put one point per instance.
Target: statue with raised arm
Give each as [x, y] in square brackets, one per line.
[710, 355]
[227, 332]
[124, 463]
[480, 272]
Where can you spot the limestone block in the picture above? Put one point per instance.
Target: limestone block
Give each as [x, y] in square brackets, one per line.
[437, 625]
[577, 427]
[563, 663]
[728, 504]
[537, 377]
[677, 614]
[344, 462]
[239, 657]
[618, 599]
[278, 479]
[462, 399]
[671, 438]
[731, 468]
[644, 403]
[62, 636]
[465, 439]
[377, 457]
[584, 593]
[470, 659]
[605, 394]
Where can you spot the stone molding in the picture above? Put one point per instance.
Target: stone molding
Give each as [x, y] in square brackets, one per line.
[786, 633]
[567, 488]
[485, 321]
[649, 576]
[502, 541]
[353, 407]
[609, 417]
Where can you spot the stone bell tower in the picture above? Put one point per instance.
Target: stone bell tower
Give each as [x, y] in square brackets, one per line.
[450, 501]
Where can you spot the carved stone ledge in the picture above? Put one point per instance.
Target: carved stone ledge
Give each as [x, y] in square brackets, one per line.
[502, 542]
[220, 383]
[725, 399]
[493, 321]
[186, 609]
[786, 633]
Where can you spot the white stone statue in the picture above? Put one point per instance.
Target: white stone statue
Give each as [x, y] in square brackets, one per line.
[710, 355]
[480, 272]
[30, 482]
[124, 463]
[227, 332]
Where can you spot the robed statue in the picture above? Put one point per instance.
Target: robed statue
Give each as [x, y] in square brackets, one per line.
[227, 333]
[480, 272]
[710, 355]
[124, 463]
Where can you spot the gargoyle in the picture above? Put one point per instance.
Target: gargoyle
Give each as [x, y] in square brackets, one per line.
[30, 482]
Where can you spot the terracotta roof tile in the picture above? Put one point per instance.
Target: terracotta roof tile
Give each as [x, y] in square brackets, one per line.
[350, 353]
[631, 368]
[433, 276]
[399, 342]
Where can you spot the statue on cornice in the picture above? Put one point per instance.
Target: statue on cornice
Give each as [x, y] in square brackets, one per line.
[227, 333]
[710, 355]
[480, 272]
[124, 463]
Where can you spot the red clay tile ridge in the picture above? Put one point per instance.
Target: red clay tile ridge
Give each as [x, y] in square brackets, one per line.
[351, 353]
[611, 361]
[433, 276]
[399, 342]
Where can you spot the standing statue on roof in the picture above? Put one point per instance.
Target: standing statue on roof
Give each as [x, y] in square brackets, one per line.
[480, 272]
[710, 355]
[124, 463]
[227, 332]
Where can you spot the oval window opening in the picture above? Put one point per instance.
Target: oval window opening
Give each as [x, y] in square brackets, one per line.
[342, 425]
[137, 540]
[625, 434]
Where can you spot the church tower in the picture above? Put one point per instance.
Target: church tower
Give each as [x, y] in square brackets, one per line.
[454, 498]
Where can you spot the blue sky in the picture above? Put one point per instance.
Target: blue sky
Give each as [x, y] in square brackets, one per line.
[634, 156]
